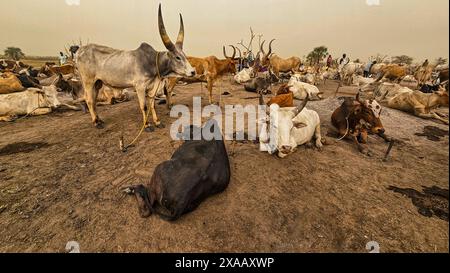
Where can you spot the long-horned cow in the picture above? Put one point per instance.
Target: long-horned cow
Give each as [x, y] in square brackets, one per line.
[290, 127]
[142, 69]
[356, 118]
[208, 70]
[278, 64]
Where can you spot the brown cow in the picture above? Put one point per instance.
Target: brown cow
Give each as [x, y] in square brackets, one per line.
[283, 98]
[424, 73]
[355, 119]
[278, 64]
[392, 72]
[9, 83]
[208, 70]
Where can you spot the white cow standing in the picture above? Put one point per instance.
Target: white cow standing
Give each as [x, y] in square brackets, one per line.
[289, 128]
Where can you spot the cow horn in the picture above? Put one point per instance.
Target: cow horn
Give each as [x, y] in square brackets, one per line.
[300, 108]
[261, 99]
[162, 32]
[358, 98]
[270, 47]
[262, 48]
[225, 52]
[180, 38]
[234, 52]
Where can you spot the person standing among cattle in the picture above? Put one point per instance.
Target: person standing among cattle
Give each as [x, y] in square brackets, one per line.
[344, 61]
[62, 58]
[368, 68]
[329, 61]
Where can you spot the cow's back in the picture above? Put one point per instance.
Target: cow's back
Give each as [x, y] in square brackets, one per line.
[197, 170]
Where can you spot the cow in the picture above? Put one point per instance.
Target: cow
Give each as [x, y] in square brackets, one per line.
[416, 102]
[33, 101]
[259, 84]
[277, 64]
[244, 75]
[289, 128]
[409, 81]
[142, 69]
[283, 97]
[208, 70]
[10, 65]
[392, 72]
[376, 68]
[63, 69]
[9, 83]
[355, 119]
[423, 73]
[197, 170]
[106, 95]
[301, 89]
[349, 70]
[358, 80]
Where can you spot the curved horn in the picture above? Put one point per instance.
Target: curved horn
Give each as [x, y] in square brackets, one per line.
[180, 38]
[262, 48]
[300, 108]
[261, 99]
[270, 47]
[225, 52]
[358, 97]
[234, 52]
[162, 32]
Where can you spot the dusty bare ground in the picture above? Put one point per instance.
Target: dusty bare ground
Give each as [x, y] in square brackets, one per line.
[61, 181]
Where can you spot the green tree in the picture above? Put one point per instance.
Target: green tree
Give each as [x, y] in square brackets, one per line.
[14, 53]
[317, 55]
[402, 59]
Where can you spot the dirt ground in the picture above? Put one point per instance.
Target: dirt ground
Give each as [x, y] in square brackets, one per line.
[61, 180]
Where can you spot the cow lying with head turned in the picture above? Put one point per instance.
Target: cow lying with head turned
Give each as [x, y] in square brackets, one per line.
[290, 127]
[197, 170]
[355, 119]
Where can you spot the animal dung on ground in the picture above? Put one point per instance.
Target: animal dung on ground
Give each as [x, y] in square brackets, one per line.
[433, 201]
[433, 133]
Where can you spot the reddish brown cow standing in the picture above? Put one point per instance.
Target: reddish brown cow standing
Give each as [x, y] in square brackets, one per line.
[208, 70]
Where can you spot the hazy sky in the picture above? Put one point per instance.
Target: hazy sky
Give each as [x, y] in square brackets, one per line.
[414, 27]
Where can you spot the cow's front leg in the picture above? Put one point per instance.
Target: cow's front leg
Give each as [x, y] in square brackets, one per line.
[169, 88]
[151, 103]
[91, 93]
[41, 111]
[362, 148]
[210, 89]
[144, 109]
[318, 137]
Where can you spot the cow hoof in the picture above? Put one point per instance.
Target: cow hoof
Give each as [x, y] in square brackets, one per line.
[161, 126]
[99, 124]
[149, 129]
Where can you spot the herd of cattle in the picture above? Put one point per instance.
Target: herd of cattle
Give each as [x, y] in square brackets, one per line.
[99, 74]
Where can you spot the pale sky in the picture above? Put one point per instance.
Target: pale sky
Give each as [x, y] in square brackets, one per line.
[418, 28]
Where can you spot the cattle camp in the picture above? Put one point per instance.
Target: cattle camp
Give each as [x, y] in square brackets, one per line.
[176, 132]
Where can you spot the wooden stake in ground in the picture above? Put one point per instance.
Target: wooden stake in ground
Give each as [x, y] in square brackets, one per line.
[391, 144]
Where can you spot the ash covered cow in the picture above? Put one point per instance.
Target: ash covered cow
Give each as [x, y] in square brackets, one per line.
[289, 128]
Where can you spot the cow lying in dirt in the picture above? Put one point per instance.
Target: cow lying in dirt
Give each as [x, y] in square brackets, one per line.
[302, 89]
[355, 119]
[415, 102]
[197, 170]
[9, 83]
[283, 97]
[33, 102]
[290, 127]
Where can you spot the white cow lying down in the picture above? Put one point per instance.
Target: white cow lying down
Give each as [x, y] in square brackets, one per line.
[294, 126]
[301, 89]
[34, 102]
[244, 75]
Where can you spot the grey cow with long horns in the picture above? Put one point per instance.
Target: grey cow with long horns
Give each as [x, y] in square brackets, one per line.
[142, 69]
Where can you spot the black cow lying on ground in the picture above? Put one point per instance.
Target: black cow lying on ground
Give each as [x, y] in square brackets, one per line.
[197, 170]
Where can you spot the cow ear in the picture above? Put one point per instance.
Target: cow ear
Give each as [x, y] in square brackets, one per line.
[299, 125]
